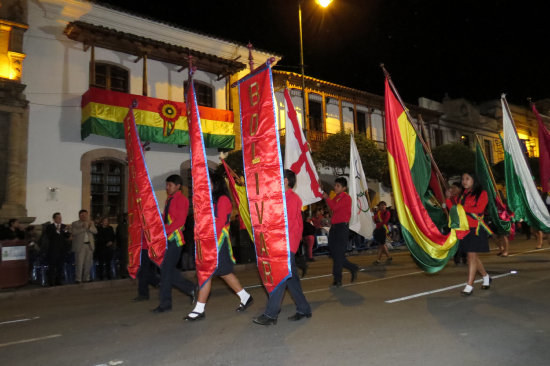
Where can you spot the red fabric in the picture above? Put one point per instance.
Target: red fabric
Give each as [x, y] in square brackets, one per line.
[316, 221]
[145, 227]
[264, 182]
[223, 211]
[382, 218]
[544, 152]
[471, 205]
[341, 208]
[206, 243]
[179, 207]
[295, 221]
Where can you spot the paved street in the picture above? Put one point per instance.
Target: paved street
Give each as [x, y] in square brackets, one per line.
[392, 315]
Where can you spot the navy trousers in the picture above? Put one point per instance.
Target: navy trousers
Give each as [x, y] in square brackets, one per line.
[146, 275]
[170, 276]
[295, 289]
[338, 237]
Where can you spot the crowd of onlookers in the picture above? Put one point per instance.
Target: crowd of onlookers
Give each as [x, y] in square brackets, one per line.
[61, 254]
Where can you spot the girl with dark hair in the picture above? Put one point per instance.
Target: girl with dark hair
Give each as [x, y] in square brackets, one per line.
[474, 200]
[222, 210]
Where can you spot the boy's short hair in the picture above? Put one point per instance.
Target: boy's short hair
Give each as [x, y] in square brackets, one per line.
[174, 178]
[343, 181]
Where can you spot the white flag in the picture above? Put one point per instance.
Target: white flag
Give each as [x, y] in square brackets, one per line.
[361, 215]
[298, 158]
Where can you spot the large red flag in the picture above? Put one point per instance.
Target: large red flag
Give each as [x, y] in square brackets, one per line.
[206, 252]
[145, 218]
[544, 152]
[264, 176]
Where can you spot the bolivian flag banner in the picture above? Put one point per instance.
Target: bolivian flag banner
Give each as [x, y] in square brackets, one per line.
[264, 176]
[157, 120]
[430, 249]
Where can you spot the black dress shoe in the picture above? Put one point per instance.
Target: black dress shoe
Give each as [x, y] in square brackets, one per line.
[140, 298]
[486, 287]
[336, 284]
[353, 275]
[264, 320]
[298, 316]
[243, 307]
[160, 309]
[198, 317]
[304, 271]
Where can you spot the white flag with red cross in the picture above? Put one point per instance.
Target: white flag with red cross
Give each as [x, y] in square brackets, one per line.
[298, 157]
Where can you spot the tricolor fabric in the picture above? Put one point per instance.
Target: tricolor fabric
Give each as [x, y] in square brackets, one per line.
[206, 239]
[410, 174]
[157, 120]
[298, 157]
[496, 209]
[361, 214]
[238, 192]
[544, 152]
[523, 198]
[145, 217]
[263, 168]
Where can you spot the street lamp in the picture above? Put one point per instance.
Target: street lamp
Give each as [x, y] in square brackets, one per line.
[324, 4]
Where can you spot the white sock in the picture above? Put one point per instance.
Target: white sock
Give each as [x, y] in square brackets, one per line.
[468, 288]
[199, 308]
[486, 280]
[243, 295]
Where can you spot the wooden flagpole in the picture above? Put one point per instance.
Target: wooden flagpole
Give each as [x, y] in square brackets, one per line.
[488, 167]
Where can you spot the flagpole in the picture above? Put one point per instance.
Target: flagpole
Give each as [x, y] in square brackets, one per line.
[423, 126]
[424, 145]
[488, 167]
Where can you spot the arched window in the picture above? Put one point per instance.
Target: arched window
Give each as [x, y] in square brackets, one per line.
[204, 93]
[107, 189]
[111, 77]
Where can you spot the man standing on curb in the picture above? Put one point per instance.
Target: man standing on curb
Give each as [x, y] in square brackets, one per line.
[83, 232]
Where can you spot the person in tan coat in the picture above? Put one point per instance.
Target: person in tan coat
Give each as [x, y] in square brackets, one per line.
[83, 232]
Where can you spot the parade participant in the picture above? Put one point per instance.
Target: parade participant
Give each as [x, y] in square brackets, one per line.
[381, 231]
[308, 236]
[474, 200]
[146, 274]
[222, 210]
[338, 235]
[175, 214]
[295, 227]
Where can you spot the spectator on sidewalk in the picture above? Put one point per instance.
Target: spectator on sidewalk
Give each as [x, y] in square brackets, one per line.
[83, 231]
[56, 242]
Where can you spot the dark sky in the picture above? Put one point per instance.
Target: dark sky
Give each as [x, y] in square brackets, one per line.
[471, 49]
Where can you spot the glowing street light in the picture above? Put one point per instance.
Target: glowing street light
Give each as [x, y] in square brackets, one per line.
[324, 4]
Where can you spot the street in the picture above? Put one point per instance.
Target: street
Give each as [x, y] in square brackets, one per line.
[392, 315]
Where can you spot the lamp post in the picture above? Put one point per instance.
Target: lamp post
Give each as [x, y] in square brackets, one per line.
[324, 4]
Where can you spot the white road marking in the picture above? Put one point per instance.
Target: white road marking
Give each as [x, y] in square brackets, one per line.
[19, 320]
[441, 290]
[30, 340]
[529, 251]
[364, 282]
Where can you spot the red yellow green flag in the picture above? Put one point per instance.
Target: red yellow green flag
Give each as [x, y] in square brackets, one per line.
[157, 120]
[409, 175]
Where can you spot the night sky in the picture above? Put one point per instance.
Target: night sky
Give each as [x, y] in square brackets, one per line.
[466, 49]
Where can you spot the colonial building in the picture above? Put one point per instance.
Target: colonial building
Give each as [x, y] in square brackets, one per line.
[80, 60]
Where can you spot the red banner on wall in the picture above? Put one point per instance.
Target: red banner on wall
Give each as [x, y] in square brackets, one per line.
[144, 216]
[206, 248]
[264, 176]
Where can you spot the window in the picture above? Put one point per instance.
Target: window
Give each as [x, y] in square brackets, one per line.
[204, 94]
[315, 115]
[438, 137]
[361, 122]
[111, 77]
[488, 145]
[107, 189]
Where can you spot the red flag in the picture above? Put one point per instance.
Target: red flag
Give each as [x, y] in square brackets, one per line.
[206, 243]
[146, 228]
[544, 152]
[264, 176]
